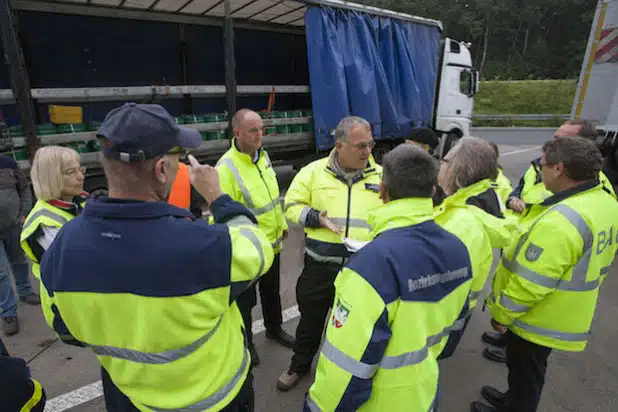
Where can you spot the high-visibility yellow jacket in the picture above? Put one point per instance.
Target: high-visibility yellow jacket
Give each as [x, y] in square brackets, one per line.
[503, 186]
[318, 188]
[158, 307]
[253, 182]
[478, 230]
[546, 287]
[42, 214]
[532, 190]
[397, 300]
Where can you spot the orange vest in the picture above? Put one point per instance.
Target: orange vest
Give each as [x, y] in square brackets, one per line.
[180, 195]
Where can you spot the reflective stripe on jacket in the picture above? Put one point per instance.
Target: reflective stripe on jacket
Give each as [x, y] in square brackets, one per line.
[546, 287]
[412, 273]
[317, 187]
[255, 185]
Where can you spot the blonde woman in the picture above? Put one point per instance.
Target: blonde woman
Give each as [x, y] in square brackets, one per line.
[58, 182]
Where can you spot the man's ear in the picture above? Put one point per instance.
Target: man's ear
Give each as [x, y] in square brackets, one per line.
[161, 168]
[434, 190]
[560, 170]
[383, 192]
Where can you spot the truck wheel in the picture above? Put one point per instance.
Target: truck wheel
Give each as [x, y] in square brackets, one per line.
[451, 139]
[96, 186]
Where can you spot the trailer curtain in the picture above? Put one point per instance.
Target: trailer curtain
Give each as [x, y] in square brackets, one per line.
[378, 68]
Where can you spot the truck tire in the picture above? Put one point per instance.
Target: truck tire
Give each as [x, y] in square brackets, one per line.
[451, 138]
[96, 186]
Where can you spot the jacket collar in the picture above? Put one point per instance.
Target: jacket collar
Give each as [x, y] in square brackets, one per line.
[245, 157]
[74, 206]
[368, 171]
[106, 207]
[400, 213]
[459, 198]
[560, 196]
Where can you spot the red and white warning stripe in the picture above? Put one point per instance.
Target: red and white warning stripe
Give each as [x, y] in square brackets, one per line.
[607, 51]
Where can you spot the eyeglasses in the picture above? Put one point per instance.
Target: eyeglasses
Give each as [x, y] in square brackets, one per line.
[181, 152]
[365, 145]
[74, 171]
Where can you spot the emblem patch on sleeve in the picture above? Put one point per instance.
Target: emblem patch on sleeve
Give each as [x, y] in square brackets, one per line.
[533, 252]
[372, 187]
[340, 314]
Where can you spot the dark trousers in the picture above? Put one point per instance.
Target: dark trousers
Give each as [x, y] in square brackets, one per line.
[315, 292]
[116, 401]
[527, 363]
[270, 297]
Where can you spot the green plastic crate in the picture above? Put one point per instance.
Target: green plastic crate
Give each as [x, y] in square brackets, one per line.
[284, 128]
[16, 131]
[79, 147]
[94, 125]
[20, 154]
[45, 129]
[194, 118]
[71, 128]
[94, 146]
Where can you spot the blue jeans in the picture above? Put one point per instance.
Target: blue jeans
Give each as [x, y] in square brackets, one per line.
[12, 257]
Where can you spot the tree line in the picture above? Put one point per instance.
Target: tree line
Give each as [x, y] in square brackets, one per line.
[512, 39]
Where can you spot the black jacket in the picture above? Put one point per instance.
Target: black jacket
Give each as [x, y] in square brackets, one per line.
[16, 387]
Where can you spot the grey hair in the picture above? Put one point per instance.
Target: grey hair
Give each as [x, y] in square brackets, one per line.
[581, 158]
[409, 171]
[469, 161]
[347, 124]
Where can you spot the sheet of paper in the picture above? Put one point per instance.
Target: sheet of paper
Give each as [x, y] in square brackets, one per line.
[353, 245]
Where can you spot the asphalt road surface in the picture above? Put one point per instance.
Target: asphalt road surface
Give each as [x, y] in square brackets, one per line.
[582, 382]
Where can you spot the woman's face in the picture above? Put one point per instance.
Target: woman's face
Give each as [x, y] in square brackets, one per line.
[73, 177]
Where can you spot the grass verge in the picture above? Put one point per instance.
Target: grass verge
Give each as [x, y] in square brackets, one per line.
[525, 97]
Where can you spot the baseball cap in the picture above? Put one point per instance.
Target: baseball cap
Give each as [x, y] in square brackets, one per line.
[424, 135]
[144, 131]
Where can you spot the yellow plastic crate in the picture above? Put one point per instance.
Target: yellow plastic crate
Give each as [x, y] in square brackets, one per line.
[65, 114]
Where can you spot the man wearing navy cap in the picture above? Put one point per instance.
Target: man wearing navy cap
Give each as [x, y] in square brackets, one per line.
[158, 307]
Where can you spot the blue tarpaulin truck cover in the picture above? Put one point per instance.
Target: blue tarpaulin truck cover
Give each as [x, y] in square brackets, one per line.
[378, 68]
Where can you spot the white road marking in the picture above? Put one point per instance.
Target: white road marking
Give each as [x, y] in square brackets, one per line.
[94, 390]
[514, 152]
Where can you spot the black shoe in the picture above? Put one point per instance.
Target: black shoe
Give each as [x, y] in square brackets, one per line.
[11, 325]
[477, 406]
[495, 354]
[255, 359]
[493, 395]
[281, 337]
[494, 338]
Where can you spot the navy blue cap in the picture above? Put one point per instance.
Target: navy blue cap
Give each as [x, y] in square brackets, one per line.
[144, 131]
[424, 135]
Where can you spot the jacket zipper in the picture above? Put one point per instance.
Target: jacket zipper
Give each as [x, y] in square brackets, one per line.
[347, 219]
[268, 190]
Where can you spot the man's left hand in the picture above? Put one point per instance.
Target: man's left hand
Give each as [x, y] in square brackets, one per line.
[498, 327]
[285, 234]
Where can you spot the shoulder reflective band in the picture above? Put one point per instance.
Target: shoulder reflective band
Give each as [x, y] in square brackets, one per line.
[229, 163]
[580, 270]
[61, 220]
[216, 397]
[248, 233]
[154, 357]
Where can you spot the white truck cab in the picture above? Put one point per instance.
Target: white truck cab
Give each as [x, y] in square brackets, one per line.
[457, 85]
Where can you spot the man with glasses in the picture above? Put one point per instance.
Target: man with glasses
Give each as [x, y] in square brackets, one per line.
[331, 198]
[247, 175]
[528, 201]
